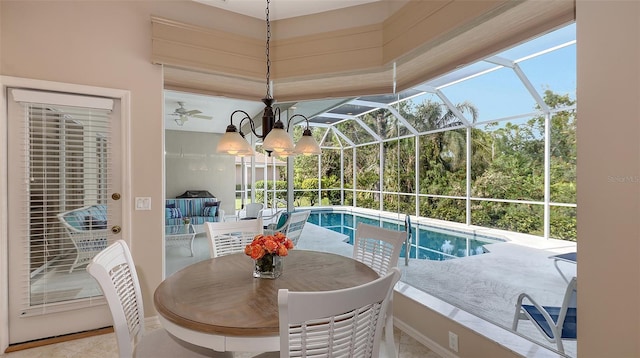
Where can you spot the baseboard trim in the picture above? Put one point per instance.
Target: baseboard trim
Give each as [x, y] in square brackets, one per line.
[424, 340]
[58, 339]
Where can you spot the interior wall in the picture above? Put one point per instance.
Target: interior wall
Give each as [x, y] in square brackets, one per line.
[104, 44]
[608, 92]
[191, 163]
[435, 326]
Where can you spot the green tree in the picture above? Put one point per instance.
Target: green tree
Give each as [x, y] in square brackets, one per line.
[516, 171]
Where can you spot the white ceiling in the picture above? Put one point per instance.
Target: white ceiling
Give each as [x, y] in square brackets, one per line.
[282, 9]
[221, 108]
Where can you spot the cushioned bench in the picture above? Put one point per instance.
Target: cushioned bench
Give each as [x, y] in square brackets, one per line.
[87, 229]
[198, 210]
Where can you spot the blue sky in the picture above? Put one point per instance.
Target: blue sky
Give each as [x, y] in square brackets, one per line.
[500, 93]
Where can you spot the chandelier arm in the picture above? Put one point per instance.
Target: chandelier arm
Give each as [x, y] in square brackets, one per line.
[298, 115]
[276, 117]
[247, 117]
[238, 111]
[240, 126]
[252, 125]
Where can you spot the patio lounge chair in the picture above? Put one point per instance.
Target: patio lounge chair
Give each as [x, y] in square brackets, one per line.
[292, 228]
[570, 257]
[555, 323]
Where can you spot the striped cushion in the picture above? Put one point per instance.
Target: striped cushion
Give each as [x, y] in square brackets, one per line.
[173, 213]
[209, 211]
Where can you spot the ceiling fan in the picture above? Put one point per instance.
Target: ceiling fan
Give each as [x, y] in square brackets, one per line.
[183, 114]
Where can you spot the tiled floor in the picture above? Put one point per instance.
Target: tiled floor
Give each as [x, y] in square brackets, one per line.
[104, 346]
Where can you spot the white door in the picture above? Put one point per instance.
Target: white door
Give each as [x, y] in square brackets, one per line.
[64, 206]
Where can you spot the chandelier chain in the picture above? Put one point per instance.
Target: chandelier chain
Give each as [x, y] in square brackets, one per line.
[267, 52]
[275, 138]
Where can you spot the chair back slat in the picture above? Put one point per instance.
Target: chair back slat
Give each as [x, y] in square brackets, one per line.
[227, 238]
[377, 247]
[115, 272]
[340, 323]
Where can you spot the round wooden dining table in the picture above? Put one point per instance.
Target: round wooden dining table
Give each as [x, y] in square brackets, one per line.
[218, 304]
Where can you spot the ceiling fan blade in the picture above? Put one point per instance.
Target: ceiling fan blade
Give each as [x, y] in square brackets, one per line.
[192, 112]
[202, 116]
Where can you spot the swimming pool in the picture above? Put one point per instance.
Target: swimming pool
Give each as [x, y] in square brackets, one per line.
[427, 242]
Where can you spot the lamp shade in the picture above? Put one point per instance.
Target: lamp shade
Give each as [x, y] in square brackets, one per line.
[278, 140]
[233, 143]
[307, 145]
[246, 153]
[286, 153]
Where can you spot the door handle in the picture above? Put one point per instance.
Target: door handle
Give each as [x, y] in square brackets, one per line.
[116, 229]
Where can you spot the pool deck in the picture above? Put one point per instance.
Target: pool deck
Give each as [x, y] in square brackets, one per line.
[487, 285]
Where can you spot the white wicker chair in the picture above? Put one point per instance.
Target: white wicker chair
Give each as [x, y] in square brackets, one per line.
[227, 238]
[341, 323]
[88, 238]
[379, 248]
[115, 271]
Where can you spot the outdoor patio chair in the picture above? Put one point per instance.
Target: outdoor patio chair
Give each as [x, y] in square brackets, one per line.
[555, 323]
[569, 257]
[115, 272]
[292, 228]
[277, 221]
[250, 211]
[336, 323]
[86, 227]
[227, 238]
[379, 248]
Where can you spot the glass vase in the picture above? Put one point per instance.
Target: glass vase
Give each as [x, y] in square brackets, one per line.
[268, 266]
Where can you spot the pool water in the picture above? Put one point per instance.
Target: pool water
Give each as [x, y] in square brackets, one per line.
[427, 242]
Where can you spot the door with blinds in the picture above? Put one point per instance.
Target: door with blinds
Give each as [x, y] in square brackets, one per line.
[64, 208]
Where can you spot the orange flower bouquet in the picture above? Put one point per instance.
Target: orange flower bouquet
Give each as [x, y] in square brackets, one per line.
[267, 251]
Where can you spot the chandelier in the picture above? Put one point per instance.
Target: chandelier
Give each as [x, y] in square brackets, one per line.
[275, 138]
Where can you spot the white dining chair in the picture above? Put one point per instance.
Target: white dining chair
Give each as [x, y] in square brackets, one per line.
[231, 237]
[379, 248]
[115, 272]
[340, 323]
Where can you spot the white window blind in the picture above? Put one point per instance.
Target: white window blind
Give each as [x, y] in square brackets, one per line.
[67, 152]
